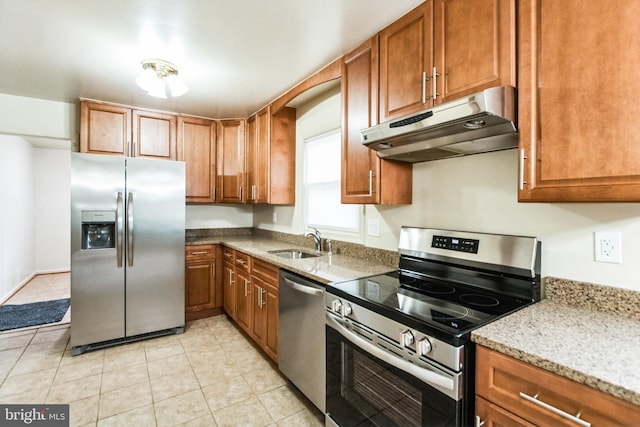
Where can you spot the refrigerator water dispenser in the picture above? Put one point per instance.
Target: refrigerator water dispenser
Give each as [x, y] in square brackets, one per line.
[98, 230]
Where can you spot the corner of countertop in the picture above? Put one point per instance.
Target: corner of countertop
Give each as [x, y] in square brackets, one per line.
[553, 333]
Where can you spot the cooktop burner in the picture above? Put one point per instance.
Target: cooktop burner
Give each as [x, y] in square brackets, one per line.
[452, 308]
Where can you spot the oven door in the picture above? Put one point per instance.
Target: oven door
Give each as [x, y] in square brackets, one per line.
[369, 386]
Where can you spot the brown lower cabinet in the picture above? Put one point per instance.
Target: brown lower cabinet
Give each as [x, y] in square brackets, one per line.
[510, 392]
[203, 293]
[264, 279]
[250, 288]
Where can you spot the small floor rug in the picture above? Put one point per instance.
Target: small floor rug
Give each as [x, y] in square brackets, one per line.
[14, 316]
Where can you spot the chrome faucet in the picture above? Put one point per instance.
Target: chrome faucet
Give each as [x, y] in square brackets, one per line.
[316, 238]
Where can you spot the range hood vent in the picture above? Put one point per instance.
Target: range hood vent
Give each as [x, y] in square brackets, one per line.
[478, 123]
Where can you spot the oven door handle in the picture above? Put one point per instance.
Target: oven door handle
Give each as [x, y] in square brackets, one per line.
[423, 374]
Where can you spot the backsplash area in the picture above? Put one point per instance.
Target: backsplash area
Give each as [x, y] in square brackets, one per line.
[378, 256]
[608, 299]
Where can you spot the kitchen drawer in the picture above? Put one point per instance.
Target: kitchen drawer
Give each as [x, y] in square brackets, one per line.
[229, 255]
[490, 415]
[531, 393]
[266, 271]
[194, 252]
[243, 262]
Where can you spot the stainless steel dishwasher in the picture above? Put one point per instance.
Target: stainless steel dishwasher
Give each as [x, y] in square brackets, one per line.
[301, 349]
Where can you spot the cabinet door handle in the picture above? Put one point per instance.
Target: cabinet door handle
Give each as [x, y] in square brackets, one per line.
[435, 87]
[199, 253]
[575, 418]
[522, 159]
[231, 279]
[478, 422]
[261, 292]
[370, 182]
[246, 291]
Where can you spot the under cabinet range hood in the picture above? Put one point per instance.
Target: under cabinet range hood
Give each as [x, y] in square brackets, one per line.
[478, 123]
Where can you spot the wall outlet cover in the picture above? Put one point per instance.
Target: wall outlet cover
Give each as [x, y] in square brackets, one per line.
[373, 227]
[608, 247]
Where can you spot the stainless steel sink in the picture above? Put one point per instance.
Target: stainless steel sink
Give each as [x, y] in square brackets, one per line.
[293, 254]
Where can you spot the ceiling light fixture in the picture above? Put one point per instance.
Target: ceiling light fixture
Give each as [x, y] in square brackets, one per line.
[160, 78]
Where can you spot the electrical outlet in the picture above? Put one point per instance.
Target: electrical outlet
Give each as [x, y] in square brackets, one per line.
[608, 247]
[274, 218]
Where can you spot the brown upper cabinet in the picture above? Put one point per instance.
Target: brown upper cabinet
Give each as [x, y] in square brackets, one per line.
[577, 108]
[443, 50]
[366, 178]
[120, 130]
[197, 148]
[270, 156]
[230, 161]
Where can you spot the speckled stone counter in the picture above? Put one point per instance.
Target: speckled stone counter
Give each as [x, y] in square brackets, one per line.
[584, 332]
[338, 267]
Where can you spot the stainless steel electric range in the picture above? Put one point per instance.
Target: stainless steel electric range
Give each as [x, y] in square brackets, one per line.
[398, 345]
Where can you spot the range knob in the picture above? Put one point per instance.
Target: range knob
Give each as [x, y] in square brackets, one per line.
[424, 347]
[336, 306]
[346, 309]
[406, 338]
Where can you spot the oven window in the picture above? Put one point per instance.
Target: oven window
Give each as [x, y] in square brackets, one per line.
[379, 393]
[365, 391]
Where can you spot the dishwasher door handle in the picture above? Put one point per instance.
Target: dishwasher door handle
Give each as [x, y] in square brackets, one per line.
[303, 288]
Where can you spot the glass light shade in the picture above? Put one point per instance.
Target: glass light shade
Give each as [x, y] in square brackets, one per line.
[158, 89]
[176, 86]
[147, 80]
[158, 80]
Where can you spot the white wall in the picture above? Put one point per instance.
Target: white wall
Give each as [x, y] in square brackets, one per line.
[38, 117]
[52, 168]
[312, 119]
[479, 193]
[215, 216]
[17, 214]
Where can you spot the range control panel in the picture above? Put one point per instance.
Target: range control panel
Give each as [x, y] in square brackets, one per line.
[455, 244]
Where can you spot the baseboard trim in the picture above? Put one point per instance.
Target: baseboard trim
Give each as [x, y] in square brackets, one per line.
[15, 290]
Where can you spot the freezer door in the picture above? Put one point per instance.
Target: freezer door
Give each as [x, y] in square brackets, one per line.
[155, 216]
[97, 280]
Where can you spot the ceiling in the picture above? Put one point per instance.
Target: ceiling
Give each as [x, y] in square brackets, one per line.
[235, 55]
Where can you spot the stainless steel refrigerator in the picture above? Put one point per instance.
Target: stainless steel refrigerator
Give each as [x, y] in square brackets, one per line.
[127, 249]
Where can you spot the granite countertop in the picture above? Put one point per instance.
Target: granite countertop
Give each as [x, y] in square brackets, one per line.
[324, 269]
[595, 346]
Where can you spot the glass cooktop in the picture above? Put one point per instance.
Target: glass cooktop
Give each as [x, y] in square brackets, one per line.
[450, 308]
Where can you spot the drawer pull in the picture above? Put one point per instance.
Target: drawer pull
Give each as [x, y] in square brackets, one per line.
[534, 399]
[241, 261]
[200, 253]
[228, 254]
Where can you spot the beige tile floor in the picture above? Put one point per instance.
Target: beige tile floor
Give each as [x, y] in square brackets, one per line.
[45, 287]
[212, 375]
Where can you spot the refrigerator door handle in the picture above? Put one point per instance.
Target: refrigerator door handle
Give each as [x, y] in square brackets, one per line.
[130, 230]
[119, 230]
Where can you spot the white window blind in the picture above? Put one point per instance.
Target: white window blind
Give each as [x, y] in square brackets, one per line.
[322, 186]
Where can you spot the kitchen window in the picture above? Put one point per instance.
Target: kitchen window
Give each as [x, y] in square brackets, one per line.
[322, 186]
